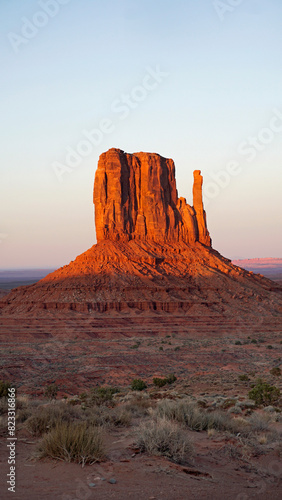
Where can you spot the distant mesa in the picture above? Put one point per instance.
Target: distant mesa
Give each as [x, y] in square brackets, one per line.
[153, 254]
[135, 197]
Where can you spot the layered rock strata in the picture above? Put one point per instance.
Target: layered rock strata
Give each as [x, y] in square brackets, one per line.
[135, 197]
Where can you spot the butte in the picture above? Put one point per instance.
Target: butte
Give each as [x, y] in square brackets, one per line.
[153, 254]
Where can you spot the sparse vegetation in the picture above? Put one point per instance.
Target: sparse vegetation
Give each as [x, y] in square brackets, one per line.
[164, 438]
[51, 391]
[161, 382]
[244, 378]
[238, 342]
[102, 395]
[191, 416]
[264, 394]
[138, 385]
[73, 442]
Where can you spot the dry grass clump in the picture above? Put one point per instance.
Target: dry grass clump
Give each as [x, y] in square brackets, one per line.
[138, 406]
[73, 442]
[193, 417]
[259, 422]
[47, 417]
[106, 417]
[164, 438]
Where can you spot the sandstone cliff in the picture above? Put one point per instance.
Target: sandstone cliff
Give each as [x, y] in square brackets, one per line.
[135, 197]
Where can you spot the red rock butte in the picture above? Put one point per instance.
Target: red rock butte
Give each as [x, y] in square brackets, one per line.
[135, 197]
[153, 253]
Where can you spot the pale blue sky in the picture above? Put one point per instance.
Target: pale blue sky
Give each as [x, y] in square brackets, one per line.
[221, 85]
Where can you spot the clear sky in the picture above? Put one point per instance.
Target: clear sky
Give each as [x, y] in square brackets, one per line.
[198, 81]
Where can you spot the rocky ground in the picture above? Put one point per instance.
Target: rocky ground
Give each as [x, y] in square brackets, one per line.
[80, 351]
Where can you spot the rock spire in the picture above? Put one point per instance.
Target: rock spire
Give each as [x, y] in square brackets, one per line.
[135, 197]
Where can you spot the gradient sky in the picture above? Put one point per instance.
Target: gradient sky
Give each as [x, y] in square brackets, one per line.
[215, 104]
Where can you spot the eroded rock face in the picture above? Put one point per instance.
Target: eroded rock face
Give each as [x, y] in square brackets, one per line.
[135, 197]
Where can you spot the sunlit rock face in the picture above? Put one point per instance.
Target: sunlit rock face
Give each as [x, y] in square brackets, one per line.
[135, 197]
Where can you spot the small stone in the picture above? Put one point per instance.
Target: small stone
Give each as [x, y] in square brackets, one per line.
[91, 485]
[132, 456]
[112, 481]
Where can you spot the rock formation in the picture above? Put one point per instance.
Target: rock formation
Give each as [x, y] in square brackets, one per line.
[153, 253]
[135, 197]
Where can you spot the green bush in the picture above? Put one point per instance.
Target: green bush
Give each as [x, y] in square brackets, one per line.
[51, 391]
[238, 342]
[159, 382]
[264, 394]
[138, 384]
[244, 378]
[73, 442]
[4, 386]
[102, 395]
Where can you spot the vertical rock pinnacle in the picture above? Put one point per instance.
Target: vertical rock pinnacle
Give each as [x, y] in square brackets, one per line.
[135, 197]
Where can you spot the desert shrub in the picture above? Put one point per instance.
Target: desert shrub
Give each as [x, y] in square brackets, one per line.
[121, 417]
[243, 378]
[171, 378]
[269, 347]
[102, 395]
[254, 341]
[164, 438]
[73, 442]
[238, 342]
[135, 346]
[193, 417]
[46, 418]
[259, 422]
[159, 382]
[98, 416]
[138, 384]
[177, 348]
[228, 403]
[264, 394]
[4, 386]
[51, 391]
[276, 371]
[138, 406]
[23, 414]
